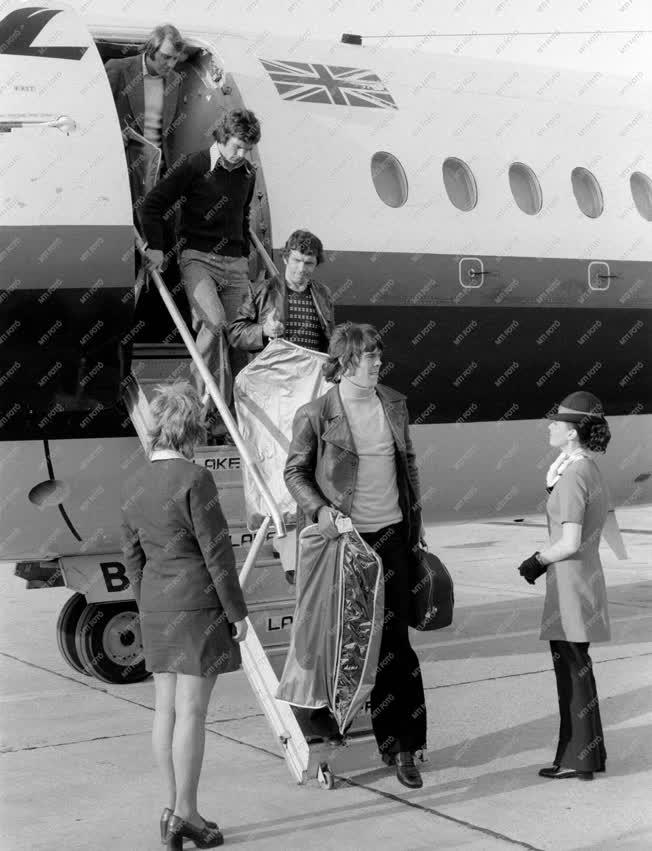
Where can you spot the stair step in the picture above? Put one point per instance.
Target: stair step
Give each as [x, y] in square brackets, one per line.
[159, 364]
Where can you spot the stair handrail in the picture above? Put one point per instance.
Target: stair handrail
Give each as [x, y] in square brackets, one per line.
[260, 248]
[213, 390]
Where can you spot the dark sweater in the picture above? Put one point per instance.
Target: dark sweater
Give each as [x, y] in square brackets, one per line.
[214, 206]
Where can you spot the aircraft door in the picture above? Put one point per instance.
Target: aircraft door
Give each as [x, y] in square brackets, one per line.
[66, 240]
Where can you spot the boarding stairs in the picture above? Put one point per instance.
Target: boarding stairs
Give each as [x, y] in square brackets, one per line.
[270, 597]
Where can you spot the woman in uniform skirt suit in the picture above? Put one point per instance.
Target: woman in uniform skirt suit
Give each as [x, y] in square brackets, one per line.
[180, 563]
[575, 611]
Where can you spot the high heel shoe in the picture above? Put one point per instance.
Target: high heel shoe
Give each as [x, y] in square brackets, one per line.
[203, 837]
[165, 818]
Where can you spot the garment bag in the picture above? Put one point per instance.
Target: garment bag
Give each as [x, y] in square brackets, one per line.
[337, 628]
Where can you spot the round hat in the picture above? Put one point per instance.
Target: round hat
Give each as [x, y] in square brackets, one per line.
[578, 407]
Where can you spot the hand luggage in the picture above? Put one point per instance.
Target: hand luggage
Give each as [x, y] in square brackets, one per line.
[432, 595]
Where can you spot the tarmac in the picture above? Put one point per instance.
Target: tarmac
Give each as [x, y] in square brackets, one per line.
[78, 773]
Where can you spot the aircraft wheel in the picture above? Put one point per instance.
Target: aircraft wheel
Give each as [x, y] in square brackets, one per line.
[325, 777]
[109, 643]
[67, 630]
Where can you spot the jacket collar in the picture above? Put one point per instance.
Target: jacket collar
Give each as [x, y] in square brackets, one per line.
[166, 455]
[393, 404]
[336, 426]
[216, 159]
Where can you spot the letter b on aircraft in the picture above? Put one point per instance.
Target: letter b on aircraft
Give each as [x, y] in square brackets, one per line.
[115, 576]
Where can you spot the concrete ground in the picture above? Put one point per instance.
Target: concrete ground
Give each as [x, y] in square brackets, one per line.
[77, 771]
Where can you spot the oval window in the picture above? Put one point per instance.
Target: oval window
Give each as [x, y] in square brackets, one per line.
[389, 179]
[587, 192]
[526, 188]
[460, 184]
[642, 193]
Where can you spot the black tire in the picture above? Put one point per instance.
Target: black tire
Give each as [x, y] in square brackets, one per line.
[327, 778]
[67, 631]
[109, 644]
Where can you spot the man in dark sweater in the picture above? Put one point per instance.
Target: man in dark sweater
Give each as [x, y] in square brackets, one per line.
[213, 189]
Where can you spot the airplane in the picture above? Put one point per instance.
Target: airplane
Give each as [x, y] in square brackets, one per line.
[492, 220]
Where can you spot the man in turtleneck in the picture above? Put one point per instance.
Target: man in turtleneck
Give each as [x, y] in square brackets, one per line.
[296, 307]
[375, 500]
[351, 454]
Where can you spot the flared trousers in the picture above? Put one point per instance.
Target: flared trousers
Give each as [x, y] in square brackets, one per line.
[581, 739]
[398, 705]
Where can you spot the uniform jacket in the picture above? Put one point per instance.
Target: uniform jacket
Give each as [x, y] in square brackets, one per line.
[126, 80]
[576, 606]
[322, 463]
[178, 554]
[246, 330]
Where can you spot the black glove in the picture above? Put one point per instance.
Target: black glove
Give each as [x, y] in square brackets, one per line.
[531, 569]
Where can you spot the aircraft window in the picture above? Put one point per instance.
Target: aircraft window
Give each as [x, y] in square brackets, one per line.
[587, 192]
[526, 188]
[460, 184]
[389, 179]
[642, 193]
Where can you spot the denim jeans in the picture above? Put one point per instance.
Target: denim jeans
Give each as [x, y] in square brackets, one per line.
[215, 286]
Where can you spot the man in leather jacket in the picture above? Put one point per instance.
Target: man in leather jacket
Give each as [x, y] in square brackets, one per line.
[296, 307]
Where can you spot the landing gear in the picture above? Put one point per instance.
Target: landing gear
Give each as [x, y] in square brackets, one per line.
[109, 643]
[67, 629]
[325, 776]
[102, 640]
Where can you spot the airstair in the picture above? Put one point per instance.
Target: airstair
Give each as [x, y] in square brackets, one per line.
[270, 597]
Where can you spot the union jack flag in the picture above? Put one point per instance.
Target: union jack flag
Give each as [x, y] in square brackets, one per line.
[332, 84]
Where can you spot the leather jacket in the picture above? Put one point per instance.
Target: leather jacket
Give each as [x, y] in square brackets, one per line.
[322, 463]
[246, 330]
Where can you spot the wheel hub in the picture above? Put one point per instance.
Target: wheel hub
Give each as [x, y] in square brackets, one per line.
[121, 639]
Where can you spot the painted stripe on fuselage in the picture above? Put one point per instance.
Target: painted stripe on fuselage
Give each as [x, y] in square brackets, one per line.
[432, 280]
[75, 256]
[66, 319]
[486, 364]
[499, 351]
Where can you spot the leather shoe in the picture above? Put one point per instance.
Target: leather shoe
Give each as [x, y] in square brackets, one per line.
[406, 771]
[178, 829]
[389, 758]
[165, 818]
[556, 772]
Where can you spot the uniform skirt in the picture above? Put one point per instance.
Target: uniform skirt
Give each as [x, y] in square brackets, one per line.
[196, 642]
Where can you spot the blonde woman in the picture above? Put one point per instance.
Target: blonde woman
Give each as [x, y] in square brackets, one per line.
[181, 567]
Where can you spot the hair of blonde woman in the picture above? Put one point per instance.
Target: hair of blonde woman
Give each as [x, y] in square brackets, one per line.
[178, 420]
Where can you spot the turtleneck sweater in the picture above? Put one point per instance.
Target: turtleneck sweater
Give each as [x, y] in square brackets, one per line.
[375, 496]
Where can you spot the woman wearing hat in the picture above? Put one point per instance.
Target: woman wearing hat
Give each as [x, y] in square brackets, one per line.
[575, 610]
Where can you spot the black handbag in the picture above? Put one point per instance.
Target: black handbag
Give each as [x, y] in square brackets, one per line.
[432, 596]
